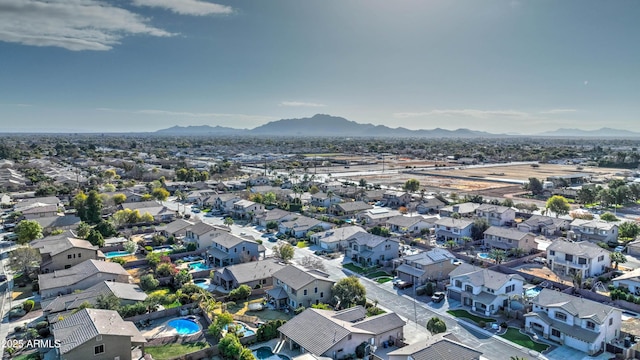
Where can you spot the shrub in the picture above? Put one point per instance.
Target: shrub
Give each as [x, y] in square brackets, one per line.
[148, 248]
[191, 246]
[119, 260]
[44, 332]
[269, 330]
[28, 305]
[299, 310]
[42, 324]
[148, 282]
[240, 293]
[482, 324]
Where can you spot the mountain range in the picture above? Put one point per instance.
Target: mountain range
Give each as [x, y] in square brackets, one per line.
[322, 125]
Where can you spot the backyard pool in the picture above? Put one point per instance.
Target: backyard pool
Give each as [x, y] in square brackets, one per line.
[484, 256]
[265, 353]
[532, 292]
[185, 326]
[163, 248]
[241, 329]
[201, 283]
[114, 254]
[198, 266]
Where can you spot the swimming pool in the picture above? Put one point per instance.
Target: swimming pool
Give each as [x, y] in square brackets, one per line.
[484, 256]
[201, 283]
[265, 353]
[114, 254]
[532, 292]
[198, 266]
[163, 248]
[184, 326]
[241, 329]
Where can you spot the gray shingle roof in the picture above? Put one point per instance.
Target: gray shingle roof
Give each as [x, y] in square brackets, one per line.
[593, 224]
[443, 349]
[405, 221]
[577, 307]
[79, 272]
[454, 223]
[499, 209]
[506, 233]
[338, 234]
[582, 248]
[482, 277]
[296, 277]
[353, 206]
[380, 323]
[86, 324]
[229, 240]
[251, 271]
[368, 239]
[57, 246]
[131, 292]
[432, 256]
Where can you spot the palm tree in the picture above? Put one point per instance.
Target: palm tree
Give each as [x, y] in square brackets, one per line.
[517, 252]
[498, 255]
[617, 258]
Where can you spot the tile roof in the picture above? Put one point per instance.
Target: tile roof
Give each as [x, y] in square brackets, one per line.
[55, 247]
[432, 256]
[441, 349]
[582, 248]
[577, 307]
[405, 221]
[593, 224]
[506, 233]
[79, 272]
[297, 278]
[131, 292]
[250, 271]
[454, 223]
[353, 206]
[338, 234]
[493, 208]
[86, 324]
[371, 240]
[482, 277]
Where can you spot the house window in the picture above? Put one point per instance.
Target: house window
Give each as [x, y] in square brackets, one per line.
[552, 252]
[591, 325]
[561, 316]
[610, 321]
[582, 261]
[568, 257]
[458, 283]
[98, 349]
[468, 288]
[321, 294]
[305, 291]
[79, 255]
[510, 288]
[69, 256]
[555, 333]
[315, 290]
[601, 258]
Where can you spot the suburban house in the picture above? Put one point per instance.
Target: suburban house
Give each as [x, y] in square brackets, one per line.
[349, 209]
[61, 222]
[576, 322]
[335, 239]
[176, 229]
[544, 225]
[429, 205]
[376, 216]
[410, 225]
[629, 280]
[26, 204]
[299, 226]
[63, 253]
[224, 202]
[496, 237]
[483, 290]
[334, 335]
[228, 249]
[95, 334]
[496, 215]
[295, 286]
[38, 210]
[584, 258]
[467, 210]
[372, 195]
[436, 348]
[245, 209]
[448, 228]
[202, 234]
[58, 306]
[275, 215]
[369, 249]
[593, 230]
[255, 274]
[394, 198]
[80, 277]
[435, 264]
[334, 186]
[159, 212]
[324, 200]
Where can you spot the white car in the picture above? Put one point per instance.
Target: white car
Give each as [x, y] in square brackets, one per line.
[618, 248]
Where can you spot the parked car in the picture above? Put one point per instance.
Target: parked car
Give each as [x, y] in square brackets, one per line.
[539, 260]
[3, 277]
[437, 296]
[619, 248]
[403, 285]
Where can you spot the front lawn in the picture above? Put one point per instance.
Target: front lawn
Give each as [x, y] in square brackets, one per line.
[383, 279]
[515, 336]
[377, 274]
[353, 267]
[467, 315]
[170, 351]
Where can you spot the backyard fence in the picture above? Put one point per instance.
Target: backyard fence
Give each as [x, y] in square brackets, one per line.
[162, 313]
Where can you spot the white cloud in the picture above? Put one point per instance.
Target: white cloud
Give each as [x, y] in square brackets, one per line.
[474, 113]
[558, 111]
[187, 7]
[71, 24]
[300, 104]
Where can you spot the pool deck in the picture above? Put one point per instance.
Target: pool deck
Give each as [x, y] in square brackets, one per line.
[162, 328]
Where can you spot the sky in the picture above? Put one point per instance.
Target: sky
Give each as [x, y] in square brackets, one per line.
[502, 66]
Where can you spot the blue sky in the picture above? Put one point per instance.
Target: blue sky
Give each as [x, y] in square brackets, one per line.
[504, 66]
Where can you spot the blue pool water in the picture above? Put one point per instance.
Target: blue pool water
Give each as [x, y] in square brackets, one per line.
[533, 292]
[483, 255]
[265, 353]
[184, 326]
[162, 248]
[114, 254]
[201, 283]
[241, 329]
[198, 266]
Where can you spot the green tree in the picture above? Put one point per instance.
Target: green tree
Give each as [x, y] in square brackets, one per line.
[272, 225]
[230, 346]
[587, 195]
[435, 325]
[349, 292]
[107, 302]
[617, 258]
[219, 323]
[153, 259]
[498, 255]
[628, 230]
[558, 205]
[608, 217]
[148, 282]
[79, 203]
[535, 186]
[228, 221]
[146, 218]
[269, 198]
[23, 259]
[28, 230]
[95, 238]
[119, 198]
[83, 230]
[181, 277]
[130, 246]
[106, 228]
[478, 228]
[94, 207]
[242, 292]
[412, 185]
[284, 252]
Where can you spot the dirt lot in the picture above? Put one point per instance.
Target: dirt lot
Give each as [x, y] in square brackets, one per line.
[544, 272]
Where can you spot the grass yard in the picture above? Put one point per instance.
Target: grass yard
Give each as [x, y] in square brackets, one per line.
[302, 244]
[465, 314]
[267, 314]
[515, 336]
[377, 274]
[383, 279]
[170, 351]
[353, 267]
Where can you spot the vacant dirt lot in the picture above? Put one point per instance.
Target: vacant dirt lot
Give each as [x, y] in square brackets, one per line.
[524, 172]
